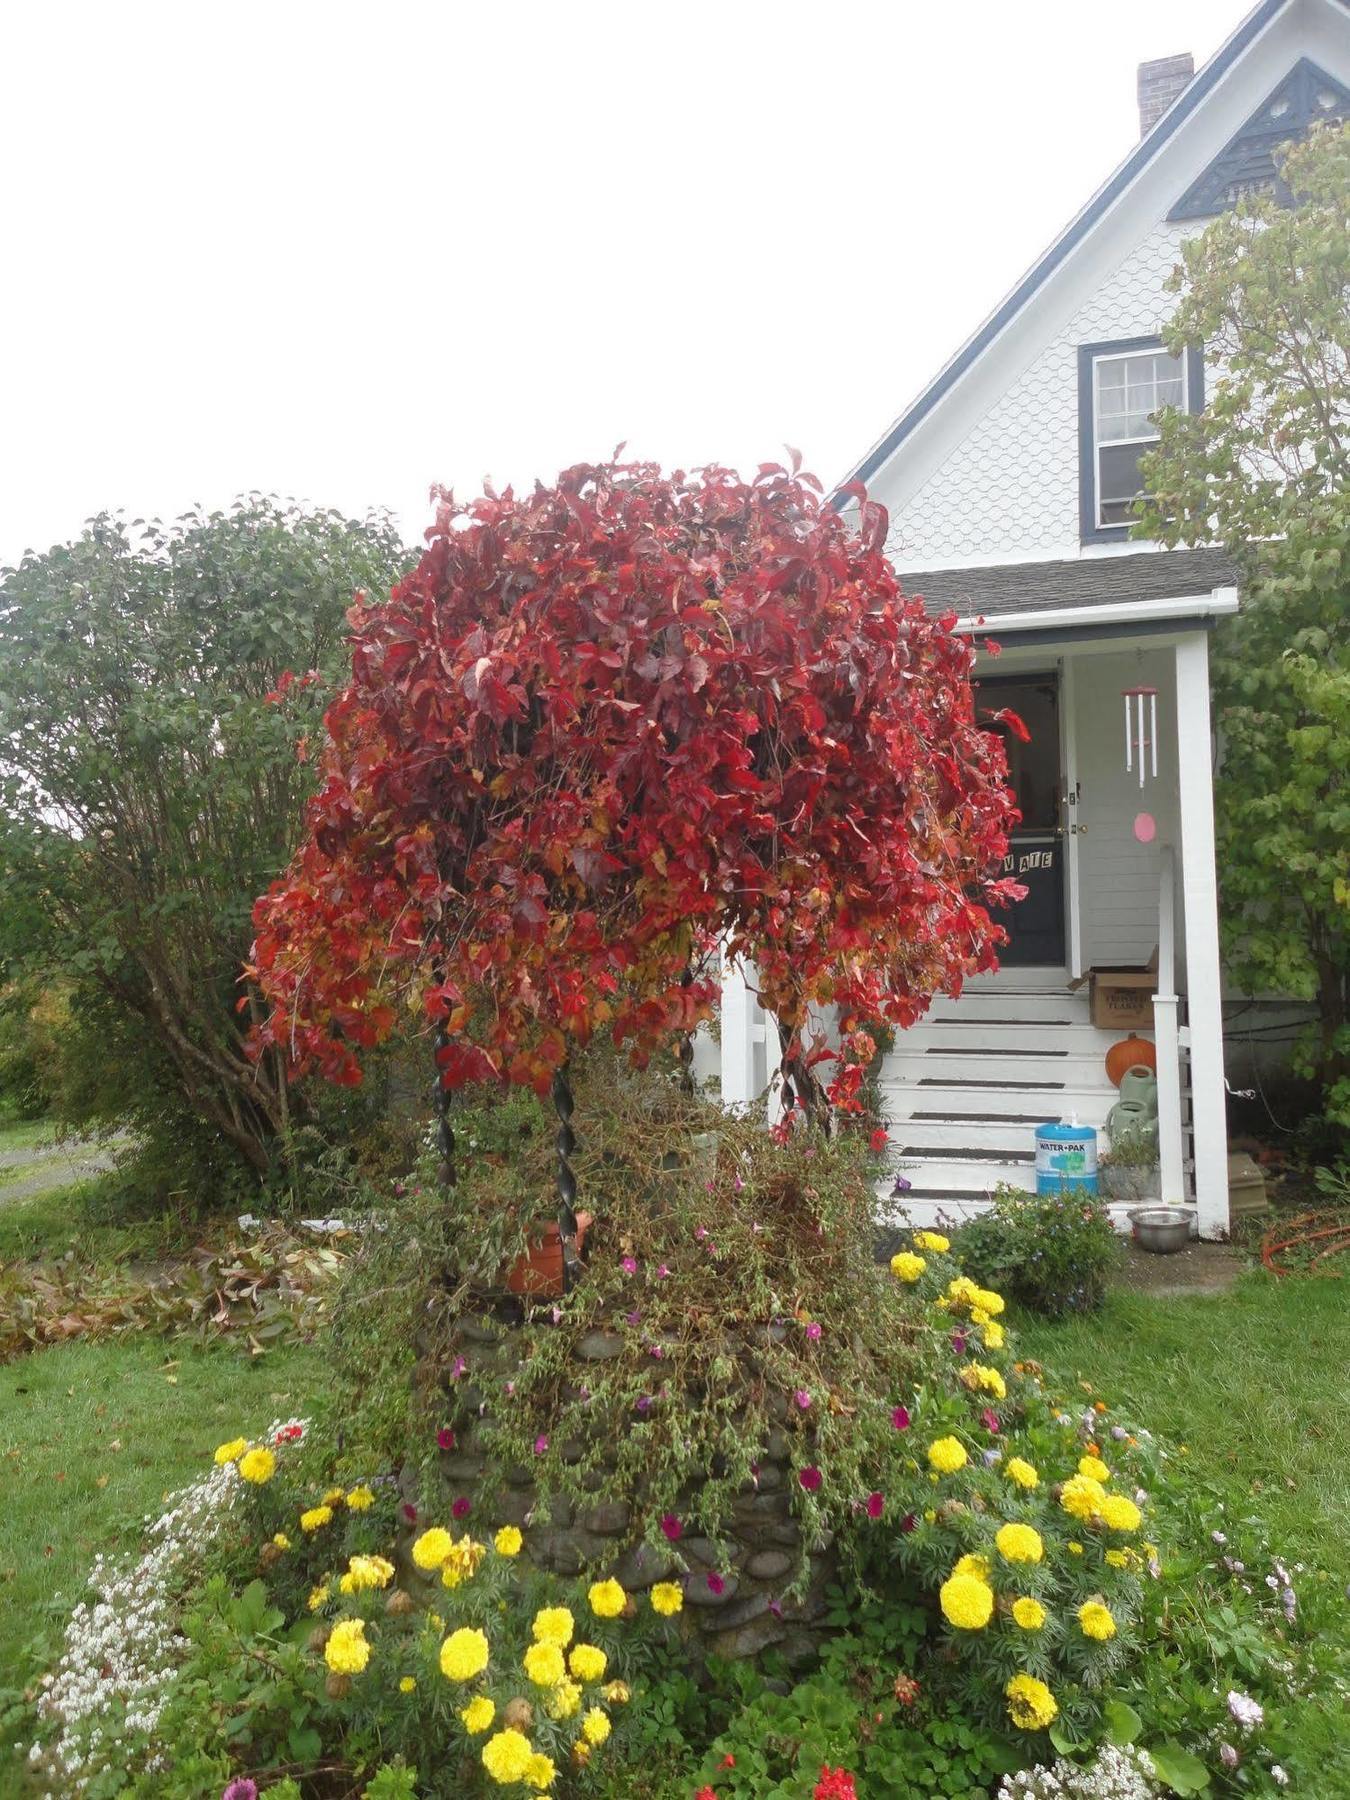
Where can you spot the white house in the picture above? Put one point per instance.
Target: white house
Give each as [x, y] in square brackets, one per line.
[1009, 482]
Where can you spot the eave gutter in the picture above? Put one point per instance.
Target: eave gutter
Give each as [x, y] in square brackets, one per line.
[1218, 602]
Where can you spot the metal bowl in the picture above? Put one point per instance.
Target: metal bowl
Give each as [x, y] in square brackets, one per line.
[1161, 1228]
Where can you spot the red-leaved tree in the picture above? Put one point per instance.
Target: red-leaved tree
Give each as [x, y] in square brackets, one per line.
[607, 724]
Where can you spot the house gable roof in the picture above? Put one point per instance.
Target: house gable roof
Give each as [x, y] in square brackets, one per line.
[1082, 584]
[1139, 159]
[1246, 163]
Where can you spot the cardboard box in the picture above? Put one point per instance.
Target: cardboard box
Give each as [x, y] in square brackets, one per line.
[1122, 999]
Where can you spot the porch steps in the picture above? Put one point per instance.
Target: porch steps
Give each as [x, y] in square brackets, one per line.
[964, 1091]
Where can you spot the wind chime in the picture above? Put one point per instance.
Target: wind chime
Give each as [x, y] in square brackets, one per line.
[1141, 748]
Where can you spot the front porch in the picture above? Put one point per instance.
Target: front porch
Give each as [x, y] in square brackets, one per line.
[1121, 873]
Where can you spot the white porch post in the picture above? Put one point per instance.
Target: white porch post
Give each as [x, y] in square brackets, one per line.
[1200, 898]
[1167, 1039]
[738, 1040]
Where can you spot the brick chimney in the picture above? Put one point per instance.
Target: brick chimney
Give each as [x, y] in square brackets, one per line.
[1159, 85]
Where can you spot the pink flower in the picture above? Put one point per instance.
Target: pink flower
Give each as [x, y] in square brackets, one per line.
[716, 1585]
[813, 1331]
[776, 1608]
[445, 1438]
[460, 1510]
[540, 1444]
[241, 1789]
[876, 1505]
[672, 1527]
[738, 1184]
[644, 1403]
[700, 1232]
[662, 1272]
[959, 1344]
[900, 1418]
[457, 1368]
[809, 1478]
[989, 1419]
[629, 1265]
[410, 1512]
[908, 1522]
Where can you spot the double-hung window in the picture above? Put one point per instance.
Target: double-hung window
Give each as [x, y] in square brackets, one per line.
[1122, 388]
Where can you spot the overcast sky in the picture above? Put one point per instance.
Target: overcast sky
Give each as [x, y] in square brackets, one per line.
[345, 251]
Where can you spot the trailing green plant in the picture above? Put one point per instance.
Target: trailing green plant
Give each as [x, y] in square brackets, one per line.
[1052, 1252]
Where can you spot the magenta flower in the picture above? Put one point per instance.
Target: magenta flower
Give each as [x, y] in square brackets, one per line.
[803, 1398]
[629, 1265]
[672, 1527]
[410, 1512]
[989, 1419]
[809, 1478]
[460, 1510]
[662, 1272]
[633, 1318]
[813, 1331]
[776, 1608]
[738, 1184]
[716, 1585]
[540, 1444]
[908, 1522]
[445, 1438]
[900, 1418]
[876, 1505]
[959, 1345]
[241, 1789]
[457, 1368]
[644, 1403]
[700, 1232]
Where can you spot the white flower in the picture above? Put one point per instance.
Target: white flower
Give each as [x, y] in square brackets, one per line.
[1244, 1709]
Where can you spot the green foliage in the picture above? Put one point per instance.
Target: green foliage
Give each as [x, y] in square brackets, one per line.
[1265, 471]
[151, 788]
[1053, 1252]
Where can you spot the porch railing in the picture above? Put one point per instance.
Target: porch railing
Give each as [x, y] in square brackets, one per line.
[1167, 1041]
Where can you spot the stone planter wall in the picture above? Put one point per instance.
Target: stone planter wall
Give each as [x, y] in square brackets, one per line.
[763, 1543]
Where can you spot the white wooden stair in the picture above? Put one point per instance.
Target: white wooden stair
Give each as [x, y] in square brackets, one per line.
[964, 1091]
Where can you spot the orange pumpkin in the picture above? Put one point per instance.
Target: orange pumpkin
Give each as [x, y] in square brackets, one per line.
[1130, 1053]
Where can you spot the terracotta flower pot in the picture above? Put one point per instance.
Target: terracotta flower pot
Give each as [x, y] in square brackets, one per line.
[538, 1274]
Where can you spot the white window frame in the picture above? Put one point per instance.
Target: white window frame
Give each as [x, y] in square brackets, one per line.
[1105, 356]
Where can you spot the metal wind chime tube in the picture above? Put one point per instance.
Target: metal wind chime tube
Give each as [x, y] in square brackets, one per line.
[566, 1181]
[1141, 744]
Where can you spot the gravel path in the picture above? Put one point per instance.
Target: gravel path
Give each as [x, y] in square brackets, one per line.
[50, 1166]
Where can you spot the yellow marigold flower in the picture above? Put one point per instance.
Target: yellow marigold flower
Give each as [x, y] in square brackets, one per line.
[539, 1772]
[361, 1498]
[1019, 1543]
[1020, 1471]
[667, 1598]
[258, 1465]
[947, 1455]
[508, 1541]
[464, 1654]
[1120, 1514]
[563, 1701]
[553, 1625]
[587, 1663]
[281, 1541]
[230, 1452]
[930, 1517]
[506, 1756]
[1096, 1621]
[316, 1518]
[989, 1302]
[1150, 1550]
[334, 1497]
[994, 1335]
[978, 1316]
[905, 1266]
[317, 1596]
[1094, 1468]
[408, 1685]
[1028, 1613]
[980, 1377]
[462, 1561]
[1075, 1549]
[347, 1651]
[595, 1726]
[478, 1714]
[1117, 1559]
[430, 1550]
[366, 1572]
[1031, 1705]
[967, 1602]
[607, 1599]
[1082, 1497]
[934, 1241]
[543, 1664]
[617, 1693]
[975, 1565]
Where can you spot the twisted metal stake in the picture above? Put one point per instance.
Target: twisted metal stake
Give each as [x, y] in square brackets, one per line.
[445, 1137]
[565, 1180]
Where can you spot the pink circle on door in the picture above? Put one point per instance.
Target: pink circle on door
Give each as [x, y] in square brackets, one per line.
[1145, 827]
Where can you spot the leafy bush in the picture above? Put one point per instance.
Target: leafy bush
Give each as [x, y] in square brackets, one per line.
[1053, 1252]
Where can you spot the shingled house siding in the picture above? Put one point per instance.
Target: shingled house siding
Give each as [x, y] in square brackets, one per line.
[1011, 487]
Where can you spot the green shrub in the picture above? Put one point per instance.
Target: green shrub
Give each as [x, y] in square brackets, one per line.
[1052, 1252]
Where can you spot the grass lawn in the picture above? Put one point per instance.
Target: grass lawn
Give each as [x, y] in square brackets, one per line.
[92, 1436]
[1253, 1382]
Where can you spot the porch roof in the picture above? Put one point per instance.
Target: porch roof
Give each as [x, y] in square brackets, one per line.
[1078, 585]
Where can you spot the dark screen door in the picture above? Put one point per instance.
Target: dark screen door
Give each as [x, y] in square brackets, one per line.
[1035, 926]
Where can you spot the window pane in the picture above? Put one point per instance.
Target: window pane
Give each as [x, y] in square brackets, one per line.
[1118, 484]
